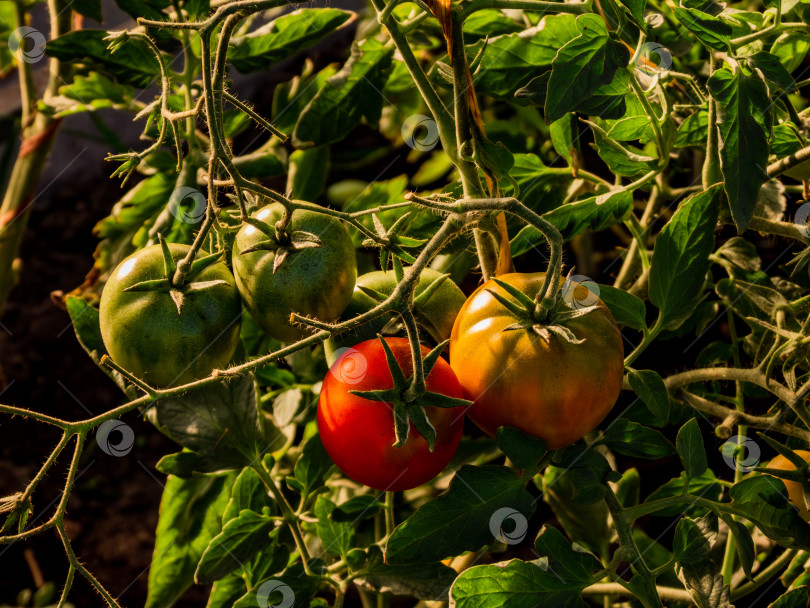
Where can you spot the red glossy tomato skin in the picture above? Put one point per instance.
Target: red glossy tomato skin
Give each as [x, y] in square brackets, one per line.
[553, 390]
[358, 433]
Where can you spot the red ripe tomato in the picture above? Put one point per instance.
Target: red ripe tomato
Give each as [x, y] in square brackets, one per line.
[359, 434]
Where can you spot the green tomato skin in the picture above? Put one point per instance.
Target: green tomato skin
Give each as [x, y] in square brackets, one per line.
[144, 333]
[315, 282]
[436, 316]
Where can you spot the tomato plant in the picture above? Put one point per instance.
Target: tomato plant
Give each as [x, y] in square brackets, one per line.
[531, 373]
[358, 433]
[600, 206]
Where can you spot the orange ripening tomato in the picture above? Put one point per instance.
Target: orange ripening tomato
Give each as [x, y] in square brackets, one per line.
[546, 386]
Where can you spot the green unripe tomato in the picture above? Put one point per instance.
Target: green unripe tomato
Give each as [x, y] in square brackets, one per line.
[146, 335]
[315, 282]
[435, 316]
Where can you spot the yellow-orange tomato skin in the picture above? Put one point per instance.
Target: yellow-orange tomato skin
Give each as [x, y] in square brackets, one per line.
[794, 488]
[550, 389]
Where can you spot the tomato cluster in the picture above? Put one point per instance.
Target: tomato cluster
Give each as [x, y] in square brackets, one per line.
[170, 331]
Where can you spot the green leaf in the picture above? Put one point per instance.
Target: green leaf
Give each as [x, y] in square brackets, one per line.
[132, 63]
[283, 37]
[337, 537]
[763, 501]
[627, 308]
[562, 136]
[557, 581]
[636, 10]
[88, 94]
[744, 122]
[705, 486]
[523, 450]
[293, 588]
[513, 59]
[694, 566]
[711, 31]
[357, 508]
[795, 598]
[776, 76]
[88, 8]
[632, 439]
[681, 258]
[791, 48]
[218, 420]
[349, 95]
[307, 172]
[461, 518]
[594, 213]
[429, 582]
[622, 160]
[313, 465]
[583, 65]
[226, 591]
[248, 493]
[588, 471]
[691, 449]
[746, 550]
[190, 516]
[650, 388]
[693, 131]
[241, 538]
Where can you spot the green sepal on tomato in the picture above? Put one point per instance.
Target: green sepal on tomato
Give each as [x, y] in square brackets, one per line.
[164, 334]
[435, 308]
[358, 426]
[554, 378]
[310, 270]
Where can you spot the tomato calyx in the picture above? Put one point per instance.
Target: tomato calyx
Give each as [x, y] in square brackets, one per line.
[167, 283]
[281, 242]
[544, 318]
[392, 243]
[409, 407]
